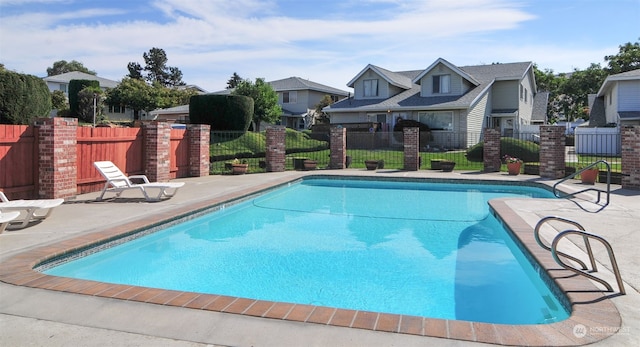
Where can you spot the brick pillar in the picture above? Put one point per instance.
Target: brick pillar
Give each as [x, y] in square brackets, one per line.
[275, 149]
[199, 138]
[411, 148]
[491, 150]
[552, 148]
[57, 146]
[630, 156]
[157, 145]
[338, 147]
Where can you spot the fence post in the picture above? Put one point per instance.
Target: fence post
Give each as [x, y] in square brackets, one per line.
[552, 151]
[491, 150]
[630, 157]
[157, 145]
[199, 138]
[338, 147]
[275, 155]
[58, 172]
[411, 143]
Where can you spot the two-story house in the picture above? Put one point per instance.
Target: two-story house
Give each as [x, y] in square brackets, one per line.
[298, 99]
[447, 98]
[617, 101]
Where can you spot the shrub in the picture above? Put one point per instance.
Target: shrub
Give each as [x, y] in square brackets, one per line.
[75, 87]
[22, 98]
[526, 150]
[222, 112]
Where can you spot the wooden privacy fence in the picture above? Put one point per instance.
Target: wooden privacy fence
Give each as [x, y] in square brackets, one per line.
[27, 158]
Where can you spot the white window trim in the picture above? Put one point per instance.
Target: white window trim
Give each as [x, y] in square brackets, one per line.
[444, 84]
[292, 97]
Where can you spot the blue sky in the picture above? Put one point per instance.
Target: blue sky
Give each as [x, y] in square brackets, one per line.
[325, 41]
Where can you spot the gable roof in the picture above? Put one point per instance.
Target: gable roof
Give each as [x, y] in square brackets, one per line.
[450, 66]
[393, 78]
[77, 75]
[410, 99]
[611, 79]
[297, 83]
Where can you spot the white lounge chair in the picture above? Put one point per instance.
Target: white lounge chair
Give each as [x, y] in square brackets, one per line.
[118, 182]
[7, 217]
[30, 210]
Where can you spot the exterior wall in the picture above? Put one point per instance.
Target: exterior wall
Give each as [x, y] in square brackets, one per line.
[491, 150]
[301, 104]
[338, 151]
[57, 158]
[552, 156]
[411, 145]
[525, 109]
[631, 157]
[629, 96]
[275, 149]
[426, 82]
[505, 95]
[611, 104]
[478, 113]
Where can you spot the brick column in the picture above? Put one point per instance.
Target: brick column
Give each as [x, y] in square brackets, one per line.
[552, 148]
[199, 139]
[411, 148]
[338, 147]
[491, 150]
[57, 146]
[157, 145]
[630, 156]
[275, 149]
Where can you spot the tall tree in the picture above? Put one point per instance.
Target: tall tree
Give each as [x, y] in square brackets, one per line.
[627, 59]
[265, 99]
[578, 86]
[141, 96]
[320, 115]
[62, 66]
[234, 81]
[156, 69]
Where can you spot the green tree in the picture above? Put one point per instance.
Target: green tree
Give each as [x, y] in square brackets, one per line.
[75, 87]
[156, 69]
[627, 59]
[577, 88]
[320, 115]
[234, 81]
[22, 98]
[62, 66]
[58, 100]
[90, 102]
[265, 99]
[140, 96]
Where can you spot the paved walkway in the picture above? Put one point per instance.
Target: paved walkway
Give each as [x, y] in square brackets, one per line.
[40, 317]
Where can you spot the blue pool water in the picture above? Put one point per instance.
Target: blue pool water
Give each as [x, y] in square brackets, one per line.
[421, 249]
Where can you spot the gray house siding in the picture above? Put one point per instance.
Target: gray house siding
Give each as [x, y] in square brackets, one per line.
[505, 95]
[457, 86]
[383, 86]
[629, 95]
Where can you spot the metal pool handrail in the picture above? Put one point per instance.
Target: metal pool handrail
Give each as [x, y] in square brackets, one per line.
[556, 192]
[536, 234]
[586, 236]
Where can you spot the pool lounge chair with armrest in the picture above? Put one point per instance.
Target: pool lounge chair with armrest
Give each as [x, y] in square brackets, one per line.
[30, 210]
[118, 182]
[6, 218]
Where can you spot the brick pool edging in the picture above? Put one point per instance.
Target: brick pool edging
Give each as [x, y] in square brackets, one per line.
[593, 316]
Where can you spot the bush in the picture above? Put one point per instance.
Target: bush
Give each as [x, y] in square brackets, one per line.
[526, 150]
[75, 87]
[222, 112]
[22, 98]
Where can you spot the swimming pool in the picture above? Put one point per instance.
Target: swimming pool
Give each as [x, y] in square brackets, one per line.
[376, 254]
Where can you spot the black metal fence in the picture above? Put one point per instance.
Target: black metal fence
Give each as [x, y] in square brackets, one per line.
[388, 147]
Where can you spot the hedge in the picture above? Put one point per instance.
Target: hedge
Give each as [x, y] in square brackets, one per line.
[75, 87]
[526, 150]
[22, 98]
[222, 112]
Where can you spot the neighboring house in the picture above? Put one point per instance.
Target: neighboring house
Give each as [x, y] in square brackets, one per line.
[298, 99]
[178, 114]
[617, 102]
[449, 99]
[112, 112]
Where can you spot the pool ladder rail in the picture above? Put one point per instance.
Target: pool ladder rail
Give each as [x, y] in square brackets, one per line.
[599, 192]
[585, 237]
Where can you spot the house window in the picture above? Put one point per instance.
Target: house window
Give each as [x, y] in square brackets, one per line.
[525, 95]
[521, 92]
[437, 120]
[441, 84]
[116, 109]
[289, 97]
[370, 87]
[63, 87]
[610, 98]
[335, 98]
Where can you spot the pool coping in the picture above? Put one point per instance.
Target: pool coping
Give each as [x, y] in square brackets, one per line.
[593, 316]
